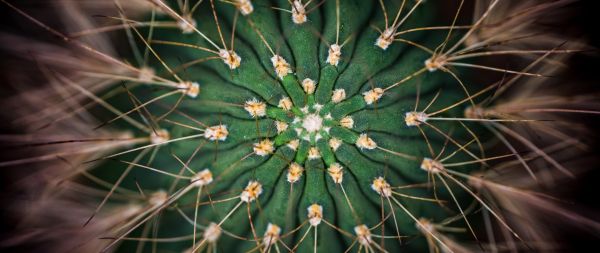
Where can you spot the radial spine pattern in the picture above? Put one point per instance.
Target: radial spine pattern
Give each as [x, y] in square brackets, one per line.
[296, 126]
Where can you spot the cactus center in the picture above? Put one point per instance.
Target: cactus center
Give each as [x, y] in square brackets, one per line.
[312, 122]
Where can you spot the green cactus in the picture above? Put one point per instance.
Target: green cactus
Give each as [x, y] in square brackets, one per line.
[300, 126]
[291, 134]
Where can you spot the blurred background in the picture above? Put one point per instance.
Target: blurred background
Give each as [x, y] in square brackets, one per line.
[583, 73]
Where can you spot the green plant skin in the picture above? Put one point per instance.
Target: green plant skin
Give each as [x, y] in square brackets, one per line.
[363, 66]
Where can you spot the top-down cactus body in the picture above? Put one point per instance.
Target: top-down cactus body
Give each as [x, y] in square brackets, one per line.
[308, 129]
[297, 126]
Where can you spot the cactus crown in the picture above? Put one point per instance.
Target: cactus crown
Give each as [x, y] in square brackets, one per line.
[302, 107]
[300, 126]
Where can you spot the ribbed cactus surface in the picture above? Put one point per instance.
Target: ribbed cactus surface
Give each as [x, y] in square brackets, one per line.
[301, 126]
[304, 115]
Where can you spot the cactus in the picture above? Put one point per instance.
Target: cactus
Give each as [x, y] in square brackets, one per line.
[297, 126]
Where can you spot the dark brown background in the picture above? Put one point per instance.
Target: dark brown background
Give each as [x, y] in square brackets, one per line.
[585, 71]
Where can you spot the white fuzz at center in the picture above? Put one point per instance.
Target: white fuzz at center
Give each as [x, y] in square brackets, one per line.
[312, 123]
